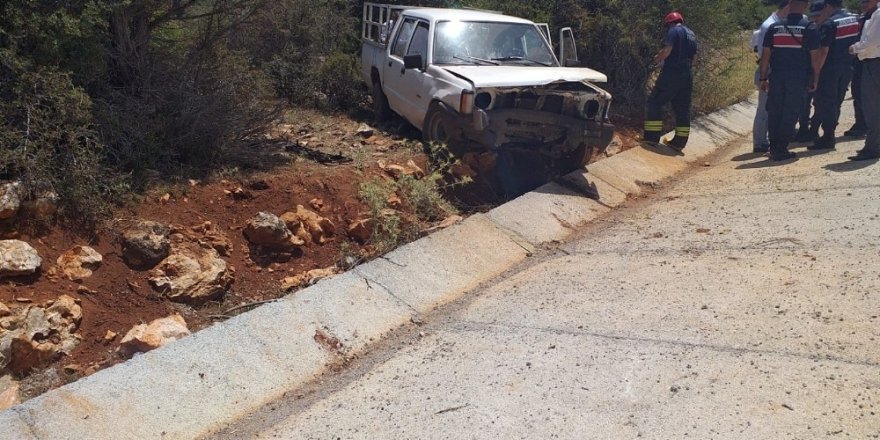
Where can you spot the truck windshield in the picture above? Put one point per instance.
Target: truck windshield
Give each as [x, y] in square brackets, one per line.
[490, 43]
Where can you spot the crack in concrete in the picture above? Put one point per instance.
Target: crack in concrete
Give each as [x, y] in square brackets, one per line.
[385, 288]
[462, 325]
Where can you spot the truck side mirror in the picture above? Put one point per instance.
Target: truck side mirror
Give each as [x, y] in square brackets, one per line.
[413, 61]
[568, 54]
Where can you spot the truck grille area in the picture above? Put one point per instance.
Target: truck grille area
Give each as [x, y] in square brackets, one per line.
[578, 100]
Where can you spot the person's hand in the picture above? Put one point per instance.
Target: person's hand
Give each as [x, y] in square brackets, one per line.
[852, 50]
[765, 85]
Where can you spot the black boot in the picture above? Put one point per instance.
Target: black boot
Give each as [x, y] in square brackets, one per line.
[857, 131]
[805, 135]
[825, 143]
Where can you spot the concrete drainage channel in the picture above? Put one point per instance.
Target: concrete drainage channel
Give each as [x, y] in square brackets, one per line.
[193, 386]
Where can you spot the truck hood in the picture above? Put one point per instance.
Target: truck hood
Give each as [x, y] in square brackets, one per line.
[514, 76]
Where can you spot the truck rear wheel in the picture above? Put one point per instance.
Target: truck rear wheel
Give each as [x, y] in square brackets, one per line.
[381, 110]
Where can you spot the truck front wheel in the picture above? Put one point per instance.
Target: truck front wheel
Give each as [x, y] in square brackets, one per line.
[436, 127]
[381, 110]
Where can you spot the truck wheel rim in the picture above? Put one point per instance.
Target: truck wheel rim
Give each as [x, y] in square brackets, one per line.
[438, 129]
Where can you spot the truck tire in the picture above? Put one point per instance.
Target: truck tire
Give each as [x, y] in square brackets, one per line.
[436, 127]
[381, 110]
[579, 158]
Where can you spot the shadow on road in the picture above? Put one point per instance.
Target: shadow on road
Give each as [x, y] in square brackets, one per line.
[660, 149]
[767, 163]
[746, 156]
[845, 167]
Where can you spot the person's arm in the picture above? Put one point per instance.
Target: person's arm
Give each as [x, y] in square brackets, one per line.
[764, 64]
[662, 54]
[823, 55]
[816, 59]
[765, 69]
[827, 34]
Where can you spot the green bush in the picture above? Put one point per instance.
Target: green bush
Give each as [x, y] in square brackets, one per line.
[47, 140]
[338, 79]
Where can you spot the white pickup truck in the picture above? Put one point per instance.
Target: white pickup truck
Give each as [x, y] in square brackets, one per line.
[480, 80]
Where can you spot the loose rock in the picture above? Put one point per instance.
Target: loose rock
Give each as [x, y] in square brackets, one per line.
[192, 274]
[145, 244]
[10, 200]
[210, 236]
[319, 228]
[361, 230]
[308, 278]
[79, 262]
[268, 230]
[18, 258]
[9, 393]
[145, 337]
[37, 335]
[365, 131]
[4, 310]
[42, 207]
[447, 222]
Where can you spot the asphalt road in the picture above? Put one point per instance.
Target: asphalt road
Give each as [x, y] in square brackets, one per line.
[740, 301]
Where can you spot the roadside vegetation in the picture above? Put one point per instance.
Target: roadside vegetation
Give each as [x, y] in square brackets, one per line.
[101, 99]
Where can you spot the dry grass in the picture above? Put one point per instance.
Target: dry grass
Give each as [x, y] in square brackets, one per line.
[725, 77]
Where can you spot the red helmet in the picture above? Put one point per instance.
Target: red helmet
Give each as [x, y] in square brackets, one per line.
[673, 17]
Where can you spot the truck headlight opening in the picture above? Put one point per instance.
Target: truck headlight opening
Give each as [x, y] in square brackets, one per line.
[483, 100]
[591, 109]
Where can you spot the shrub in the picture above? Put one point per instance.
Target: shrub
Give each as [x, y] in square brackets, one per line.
[338, 78]
[47, 140]
[387, 228]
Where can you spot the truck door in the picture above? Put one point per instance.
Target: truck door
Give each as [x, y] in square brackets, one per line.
[404, 88]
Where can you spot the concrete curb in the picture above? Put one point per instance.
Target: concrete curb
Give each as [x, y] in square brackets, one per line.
[191, 387]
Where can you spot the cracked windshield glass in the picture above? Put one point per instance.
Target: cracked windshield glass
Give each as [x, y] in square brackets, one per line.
[487, 43]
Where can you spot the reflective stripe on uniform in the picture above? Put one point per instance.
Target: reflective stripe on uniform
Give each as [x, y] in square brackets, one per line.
[653, 125]
[682, 131]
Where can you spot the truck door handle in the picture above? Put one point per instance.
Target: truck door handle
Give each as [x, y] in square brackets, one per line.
[389, 64]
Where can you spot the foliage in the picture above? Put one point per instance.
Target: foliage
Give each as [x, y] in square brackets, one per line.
[386, 222]
[94, 91]
[48, 139]
[338, 79]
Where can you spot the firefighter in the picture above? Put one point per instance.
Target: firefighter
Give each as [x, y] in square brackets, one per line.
[791, 48]
[838, 32]
[675, 83]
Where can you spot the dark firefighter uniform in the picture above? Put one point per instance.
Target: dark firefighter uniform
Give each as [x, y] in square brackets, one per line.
[675, 85]
[838, 33]
[790, 41]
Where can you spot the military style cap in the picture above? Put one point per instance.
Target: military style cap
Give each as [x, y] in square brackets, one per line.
[816, 8]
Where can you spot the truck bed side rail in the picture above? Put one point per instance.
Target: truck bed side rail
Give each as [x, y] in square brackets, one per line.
[378, 21]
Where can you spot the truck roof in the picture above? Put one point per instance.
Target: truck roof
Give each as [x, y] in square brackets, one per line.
[437, 14]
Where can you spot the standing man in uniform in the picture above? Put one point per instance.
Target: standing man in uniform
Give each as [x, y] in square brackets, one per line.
[838, 32]
[760, 143]
[675, 83]
[791, 50]
[868, 51]
[858, 129]
[808, 125]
